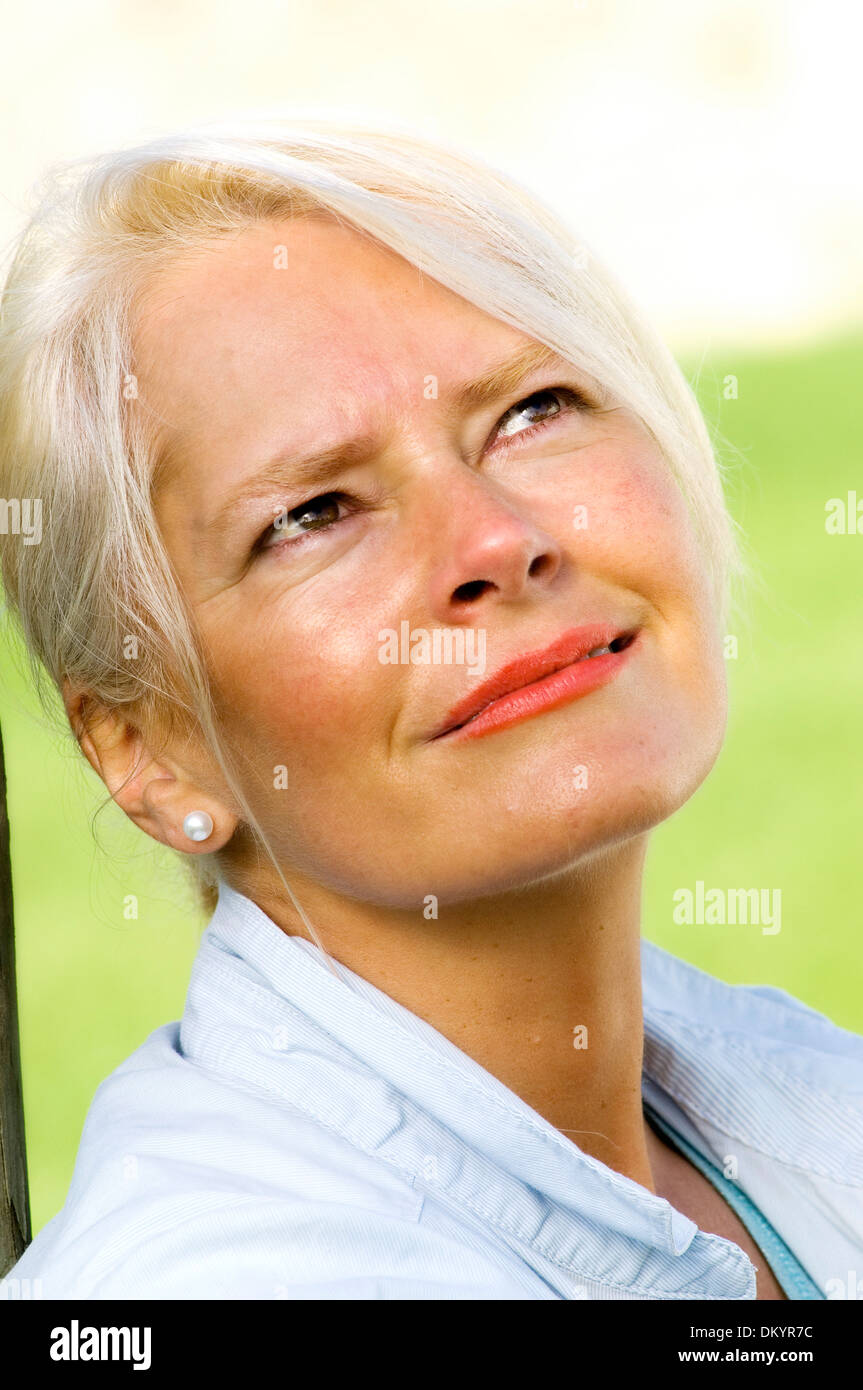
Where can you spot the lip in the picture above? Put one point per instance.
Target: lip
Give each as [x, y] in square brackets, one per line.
[540, 681]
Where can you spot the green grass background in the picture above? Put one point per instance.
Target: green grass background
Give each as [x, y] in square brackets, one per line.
[782, 808]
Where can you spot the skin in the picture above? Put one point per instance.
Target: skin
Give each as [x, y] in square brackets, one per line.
[448, 522]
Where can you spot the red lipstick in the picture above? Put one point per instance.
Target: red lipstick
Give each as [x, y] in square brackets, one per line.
[541, 681]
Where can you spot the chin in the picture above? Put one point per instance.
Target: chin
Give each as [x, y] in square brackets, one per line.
[569, 811]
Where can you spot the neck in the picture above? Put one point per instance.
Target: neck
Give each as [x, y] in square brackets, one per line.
[542, 987]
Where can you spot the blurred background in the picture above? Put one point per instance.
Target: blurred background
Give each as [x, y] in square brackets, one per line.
[709, 152]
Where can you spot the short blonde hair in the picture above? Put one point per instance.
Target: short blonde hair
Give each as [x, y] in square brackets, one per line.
[100, 585]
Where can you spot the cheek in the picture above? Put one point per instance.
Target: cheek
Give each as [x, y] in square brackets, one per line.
[633, 536]
[642, 537]
[293, 698]
[301, 684]
[631, 525]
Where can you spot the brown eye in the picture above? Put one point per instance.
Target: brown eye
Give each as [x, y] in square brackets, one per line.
[538, 409]
[315, 515]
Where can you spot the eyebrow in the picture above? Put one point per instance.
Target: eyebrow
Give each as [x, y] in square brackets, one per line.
[319, 467]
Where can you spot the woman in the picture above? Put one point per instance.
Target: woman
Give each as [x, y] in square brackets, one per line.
[385, 577]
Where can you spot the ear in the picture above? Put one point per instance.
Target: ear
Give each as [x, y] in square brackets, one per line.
[156, 794]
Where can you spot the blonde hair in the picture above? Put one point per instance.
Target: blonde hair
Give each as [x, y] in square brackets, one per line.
[101, 584]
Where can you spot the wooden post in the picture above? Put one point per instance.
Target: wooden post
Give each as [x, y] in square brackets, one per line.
[14, 1197]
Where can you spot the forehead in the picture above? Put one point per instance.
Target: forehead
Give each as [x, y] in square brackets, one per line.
[244, 334]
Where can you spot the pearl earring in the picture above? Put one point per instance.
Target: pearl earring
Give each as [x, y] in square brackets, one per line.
[198, 825]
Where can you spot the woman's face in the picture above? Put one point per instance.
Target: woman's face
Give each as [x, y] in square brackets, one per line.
[504, 520]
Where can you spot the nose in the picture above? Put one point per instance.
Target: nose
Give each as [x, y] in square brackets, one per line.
[489, 549]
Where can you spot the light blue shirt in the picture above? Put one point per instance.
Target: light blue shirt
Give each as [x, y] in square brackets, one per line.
[300, 1135]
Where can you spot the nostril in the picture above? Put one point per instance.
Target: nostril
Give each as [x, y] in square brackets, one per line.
[539, 565]
[466, 593]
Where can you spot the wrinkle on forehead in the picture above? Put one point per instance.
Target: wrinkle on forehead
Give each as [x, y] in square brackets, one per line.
[177, 342]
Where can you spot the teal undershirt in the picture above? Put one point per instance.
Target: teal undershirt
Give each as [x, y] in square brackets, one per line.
[790, 1274]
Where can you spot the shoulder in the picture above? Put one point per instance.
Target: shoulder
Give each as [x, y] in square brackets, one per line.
[759, 1014]
[190, 1186]
[772, 1092]
[758, 1064]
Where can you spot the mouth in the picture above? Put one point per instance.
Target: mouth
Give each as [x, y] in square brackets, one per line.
[580, 661]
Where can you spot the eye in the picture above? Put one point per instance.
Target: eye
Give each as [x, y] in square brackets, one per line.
[318, 514]
[539, 409]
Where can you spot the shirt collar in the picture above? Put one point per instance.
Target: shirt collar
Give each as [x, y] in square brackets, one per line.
[324, 1039]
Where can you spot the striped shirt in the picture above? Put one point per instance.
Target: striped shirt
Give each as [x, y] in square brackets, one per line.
[298, 1134]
